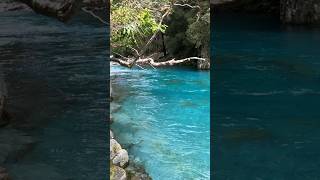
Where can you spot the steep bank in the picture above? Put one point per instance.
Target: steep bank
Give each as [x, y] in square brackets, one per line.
[265, 99]
[288, 11]
[300, 11]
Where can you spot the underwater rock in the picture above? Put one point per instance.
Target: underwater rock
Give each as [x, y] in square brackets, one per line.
[121, 158]
[4, 175]
[137, 172]
[117, 173]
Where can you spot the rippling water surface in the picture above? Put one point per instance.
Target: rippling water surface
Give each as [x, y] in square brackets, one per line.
[164, 120]
[266, 99]
[56, 75]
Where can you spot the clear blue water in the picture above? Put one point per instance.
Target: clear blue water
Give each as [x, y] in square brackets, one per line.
[56, 75]
[165, 113]
[265, 99]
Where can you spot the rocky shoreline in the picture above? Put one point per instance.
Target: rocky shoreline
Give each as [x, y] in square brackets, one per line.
[121, 168]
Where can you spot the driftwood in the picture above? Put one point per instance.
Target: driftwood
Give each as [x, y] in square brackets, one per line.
[128, 62]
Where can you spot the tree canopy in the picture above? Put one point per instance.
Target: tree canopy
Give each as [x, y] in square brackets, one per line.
[135, 25]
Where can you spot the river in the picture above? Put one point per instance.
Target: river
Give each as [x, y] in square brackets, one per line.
[265, 99]
[164, 120]
[57, 83]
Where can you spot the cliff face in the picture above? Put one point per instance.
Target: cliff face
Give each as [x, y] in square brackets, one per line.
[270, 7]
[300, 11]
[290, 11]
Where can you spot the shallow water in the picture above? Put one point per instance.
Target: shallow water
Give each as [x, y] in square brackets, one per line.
[266, 96]
[56, 75]
[164, 120]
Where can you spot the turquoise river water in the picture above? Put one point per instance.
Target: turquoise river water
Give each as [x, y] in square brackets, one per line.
[165, 113]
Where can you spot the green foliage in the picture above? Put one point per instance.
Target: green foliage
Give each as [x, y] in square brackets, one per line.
[198, 32]
[188, 33]
[131, 23]
[186, 29]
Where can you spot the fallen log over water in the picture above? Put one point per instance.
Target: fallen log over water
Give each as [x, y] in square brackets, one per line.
[130, 62]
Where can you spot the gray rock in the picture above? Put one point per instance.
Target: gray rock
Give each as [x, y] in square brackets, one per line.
[300, 11]
[203, 65]
[121, 158]
[115, 148]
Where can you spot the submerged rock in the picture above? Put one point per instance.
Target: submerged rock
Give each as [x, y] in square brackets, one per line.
[137, 172]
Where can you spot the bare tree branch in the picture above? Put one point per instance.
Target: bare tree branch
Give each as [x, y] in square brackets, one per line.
[151, 62]
[94, 15]
[186, 5]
